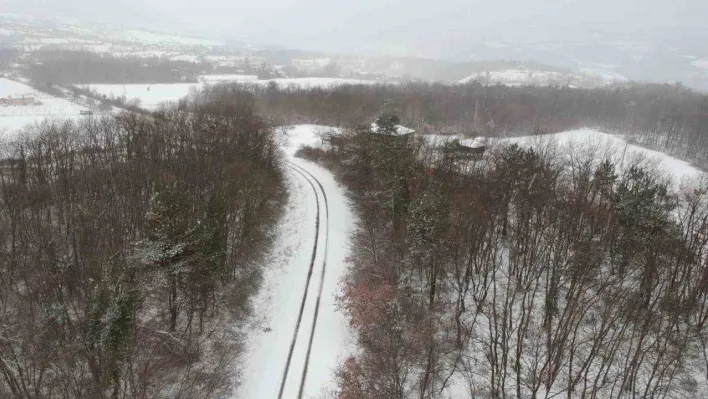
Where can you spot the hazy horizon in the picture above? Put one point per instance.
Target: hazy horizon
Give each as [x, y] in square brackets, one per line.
[387, 27]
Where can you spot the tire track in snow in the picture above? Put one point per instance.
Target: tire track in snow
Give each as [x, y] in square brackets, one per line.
[319, 291]
[284, 378]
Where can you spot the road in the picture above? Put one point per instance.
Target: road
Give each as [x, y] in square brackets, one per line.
[299, 337]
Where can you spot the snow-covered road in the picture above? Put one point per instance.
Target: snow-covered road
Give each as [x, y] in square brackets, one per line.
[298, 337]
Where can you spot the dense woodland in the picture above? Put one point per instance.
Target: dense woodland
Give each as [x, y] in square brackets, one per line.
[57, 67]
[669, 118]
[7, 57]
[528, 273]
[131, 244]
[130, 248]
[523, 274]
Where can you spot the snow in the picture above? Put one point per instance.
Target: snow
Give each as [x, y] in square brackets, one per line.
[278, 302]
[614, 148]
[295, 137]
[48, 40]
[14, 118]
[161, 38]
[151, 96]
[228, 78]
[496, 44]
[701, 63]
[400, 130]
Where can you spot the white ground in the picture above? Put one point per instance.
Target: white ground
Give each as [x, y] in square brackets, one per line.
[151, 96]
[14, 118]
[278, 303]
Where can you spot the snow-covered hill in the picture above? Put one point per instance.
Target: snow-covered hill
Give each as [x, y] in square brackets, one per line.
[589, 143]
[14, 118]
[28, 32]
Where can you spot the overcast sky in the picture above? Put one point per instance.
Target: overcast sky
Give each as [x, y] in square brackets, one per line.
[368, 25]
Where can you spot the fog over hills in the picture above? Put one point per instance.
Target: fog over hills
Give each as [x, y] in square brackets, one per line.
[660, 40]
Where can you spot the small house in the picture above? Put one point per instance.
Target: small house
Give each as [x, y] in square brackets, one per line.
[22, 100]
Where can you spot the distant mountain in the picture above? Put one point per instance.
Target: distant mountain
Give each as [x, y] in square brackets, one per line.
[659, 55]
[30, 33]
[528, 56]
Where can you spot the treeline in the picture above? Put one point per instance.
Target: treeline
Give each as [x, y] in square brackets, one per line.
[7, 57]
[525, 274]
[669, 118]
[78, 67]
[130, 247]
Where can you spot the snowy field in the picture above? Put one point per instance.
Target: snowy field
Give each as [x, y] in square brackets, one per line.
[272, 338]
[14, 118]
[151, 96]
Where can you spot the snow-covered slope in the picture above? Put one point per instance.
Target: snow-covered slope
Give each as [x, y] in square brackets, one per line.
[32, 33]
[151, 96]
[589, 142]
[14, 118]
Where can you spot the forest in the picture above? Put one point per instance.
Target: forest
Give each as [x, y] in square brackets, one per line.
[132, 244]
[668, 118]
[523, 274]
[60, 67]
[529, 272]
[130, 249]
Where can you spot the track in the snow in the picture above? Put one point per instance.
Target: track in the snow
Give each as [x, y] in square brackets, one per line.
[310, 179]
